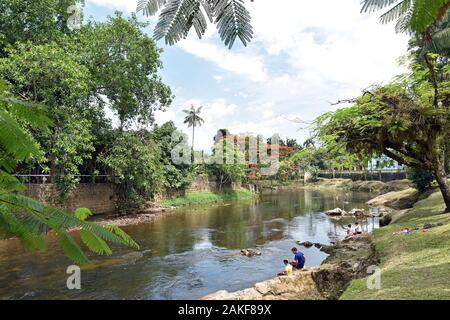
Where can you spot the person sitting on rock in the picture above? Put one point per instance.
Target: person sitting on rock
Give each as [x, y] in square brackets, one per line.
[287, 270]
[358, 229]
[349, 231]
[299, 259]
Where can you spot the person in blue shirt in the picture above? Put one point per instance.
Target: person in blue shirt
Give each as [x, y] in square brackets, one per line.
[299, 259]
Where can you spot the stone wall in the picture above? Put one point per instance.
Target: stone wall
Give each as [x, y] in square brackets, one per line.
[98, 197]
[200, 184]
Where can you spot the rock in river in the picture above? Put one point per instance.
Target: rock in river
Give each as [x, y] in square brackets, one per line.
[306, 244]
[358, 212]
[335, 212]
[250, 252]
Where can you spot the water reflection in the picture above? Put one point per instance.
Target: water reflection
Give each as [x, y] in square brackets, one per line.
[191, 253]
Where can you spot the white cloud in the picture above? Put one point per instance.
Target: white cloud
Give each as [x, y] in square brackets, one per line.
[126, 5]
[218, 78]
[241, 64]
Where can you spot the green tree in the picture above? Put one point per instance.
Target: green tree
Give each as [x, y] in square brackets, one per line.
[179, 16]
[35, 21]
[193, 120]
[228, 161]
[407, 120]
[428, 18]
[422, 179]
[175, 175]
[29, 219]
[124, 64]
[51, 75]
[135, 164]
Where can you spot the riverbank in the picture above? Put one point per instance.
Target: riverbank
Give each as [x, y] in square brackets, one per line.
[413, 265]
[374, 186]
[207, 197]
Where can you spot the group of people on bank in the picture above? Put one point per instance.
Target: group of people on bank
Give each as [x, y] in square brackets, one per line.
[353, 230]
[298, 263]
[300, 259]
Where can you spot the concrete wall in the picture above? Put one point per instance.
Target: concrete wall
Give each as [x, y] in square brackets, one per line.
[98, 197]
[384, 176]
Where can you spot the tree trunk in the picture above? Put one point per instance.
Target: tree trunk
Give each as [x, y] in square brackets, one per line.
[444, 185]
[193, 138]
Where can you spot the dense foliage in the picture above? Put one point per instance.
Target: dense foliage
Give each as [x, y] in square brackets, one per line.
[407, 120]
[27, 218]
[421, 178]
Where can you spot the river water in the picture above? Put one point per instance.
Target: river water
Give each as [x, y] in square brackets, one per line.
[191, 253]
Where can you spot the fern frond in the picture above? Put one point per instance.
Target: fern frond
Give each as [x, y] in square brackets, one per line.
[14, 140]
[71, 248]
[425, 13]
[29, 239]
[179, 16]
[95, 243]
[127, 240]
[9, 183]
[176, 19]
[34, 114]
[150, 7]
[199, 23]
[60, 221]
[375, 5]
[396, 12]
[82, 213]
[441, 41]
[233, 20]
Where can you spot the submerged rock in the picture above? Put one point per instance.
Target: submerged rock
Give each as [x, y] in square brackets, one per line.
[336, 212]
[250, 252]
[358, 212]
[306, 244]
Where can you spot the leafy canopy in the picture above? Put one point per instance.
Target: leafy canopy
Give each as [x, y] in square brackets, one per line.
[27, 218]
[428, 18]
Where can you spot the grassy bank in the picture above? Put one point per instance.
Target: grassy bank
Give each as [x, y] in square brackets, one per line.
[415, 266]
[364, 186]
[198, 198]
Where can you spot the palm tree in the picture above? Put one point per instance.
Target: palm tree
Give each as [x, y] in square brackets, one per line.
[179, 16]
[193, 120]
[428, 18]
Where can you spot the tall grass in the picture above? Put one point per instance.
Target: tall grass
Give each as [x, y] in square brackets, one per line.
[198, 198]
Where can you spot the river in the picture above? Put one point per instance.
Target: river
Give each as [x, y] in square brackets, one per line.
[191, 253]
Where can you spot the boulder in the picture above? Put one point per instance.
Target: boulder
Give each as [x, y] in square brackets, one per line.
[335, 212]
[358, 212]
[306, 244]
[250, 252]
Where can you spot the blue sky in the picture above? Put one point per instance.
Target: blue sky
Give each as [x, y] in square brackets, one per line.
[301, 59]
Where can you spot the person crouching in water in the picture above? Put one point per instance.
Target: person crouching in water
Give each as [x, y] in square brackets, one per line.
[287, 270]
[299, 259]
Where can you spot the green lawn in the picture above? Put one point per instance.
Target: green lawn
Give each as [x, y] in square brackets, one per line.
[209, 197]
[415, 266]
